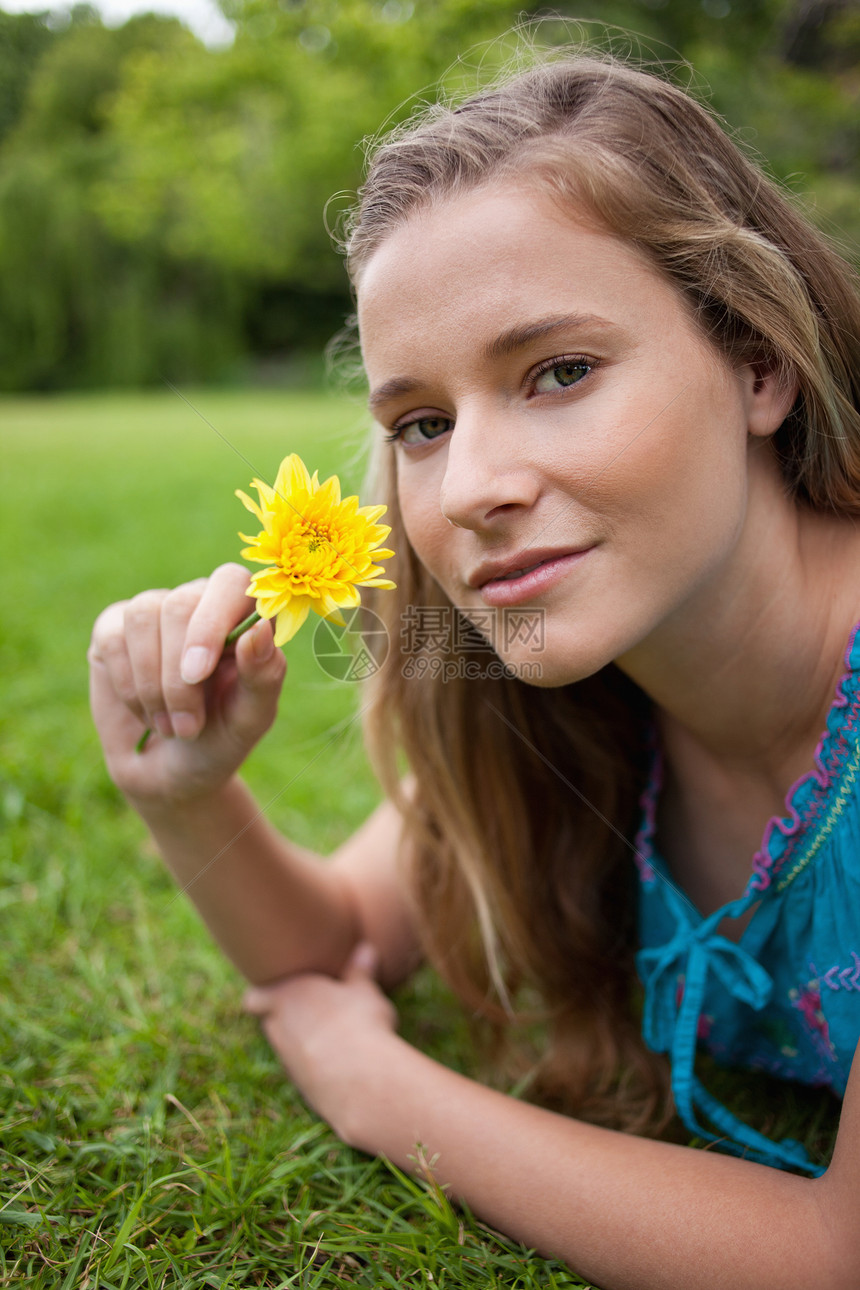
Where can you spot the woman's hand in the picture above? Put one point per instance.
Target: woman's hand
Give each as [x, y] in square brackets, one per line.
[158, 661]
[332, 1036]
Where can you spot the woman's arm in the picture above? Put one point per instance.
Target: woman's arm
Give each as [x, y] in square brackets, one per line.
[157, 661]
[624, 1212]
[276, 908]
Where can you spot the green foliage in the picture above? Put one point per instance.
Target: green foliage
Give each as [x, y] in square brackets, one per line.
[234, 156]
[23, 42]
[77, 306]
[162, 205]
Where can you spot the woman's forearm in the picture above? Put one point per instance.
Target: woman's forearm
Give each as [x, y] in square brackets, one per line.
[273, 907]
[624, 1212]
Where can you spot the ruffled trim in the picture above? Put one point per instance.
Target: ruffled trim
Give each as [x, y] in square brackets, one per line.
[807, 799]
[805, 802]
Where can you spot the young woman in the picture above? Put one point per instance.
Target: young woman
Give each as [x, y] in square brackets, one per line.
[616, 375]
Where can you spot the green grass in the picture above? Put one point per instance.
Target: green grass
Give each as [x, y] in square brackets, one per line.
[148, 1137]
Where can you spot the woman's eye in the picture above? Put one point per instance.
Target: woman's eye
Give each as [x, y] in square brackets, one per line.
[421, 430]
[561, 376]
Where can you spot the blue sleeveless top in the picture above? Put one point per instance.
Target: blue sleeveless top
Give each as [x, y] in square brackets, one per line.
[786, 998]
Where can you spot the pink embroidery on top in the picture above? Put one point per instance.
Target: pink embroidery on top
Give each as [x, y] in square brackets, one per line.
[837, 978]
[643, 842]
[807, 1000]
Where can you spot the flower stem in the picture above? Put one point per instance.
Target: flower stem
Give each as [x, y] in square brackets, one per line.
[239, 630]
[245, 625]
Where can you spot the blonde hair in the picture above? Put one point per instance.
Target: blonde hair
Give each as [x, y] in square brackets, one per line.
[523, 797]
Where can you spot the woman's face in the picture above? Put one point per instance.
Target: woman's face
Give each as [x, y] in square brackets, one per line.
[567, 441]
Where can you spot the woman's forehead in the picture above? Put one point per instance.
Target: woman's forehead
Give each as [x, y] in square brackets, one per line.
[498, 259]
[472, 214]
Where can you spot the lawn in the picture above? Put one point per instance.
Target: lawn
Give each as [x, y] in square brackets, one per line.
[148, 1136]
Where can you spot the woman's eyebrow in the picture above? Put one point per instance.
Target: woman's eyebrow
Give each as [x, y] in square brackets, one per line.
[391, 390]
[507, 342]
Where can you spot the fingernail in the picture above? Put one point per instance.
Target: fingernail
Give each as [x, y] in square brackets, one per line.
[161, 721]
[364, 957]
[263, 643]
[196, 663]
[185, 724]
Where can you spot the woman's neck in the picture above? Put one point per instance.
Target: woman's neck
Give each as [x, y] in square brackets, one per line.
[742, 685]
[744, 677]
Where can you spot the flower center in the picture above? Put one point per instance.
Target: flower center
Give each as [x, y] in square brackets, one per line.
[315, 538]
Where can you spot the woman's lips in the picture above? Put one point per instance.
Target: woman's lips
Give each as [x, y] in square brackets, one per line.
[513, 590]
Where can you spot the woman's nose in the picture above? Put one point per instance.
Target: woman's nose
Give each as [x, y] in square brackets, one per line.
[488, 473]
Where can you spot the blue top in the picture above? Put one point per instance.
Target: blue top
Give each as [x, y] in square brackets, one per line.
[786, 998]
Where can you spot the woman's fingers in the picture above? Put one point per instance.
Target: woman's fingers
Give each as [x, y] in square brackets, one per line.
[195, 621]
[362, 963]
[221, 607]
[109, 652]
[111, 679]
[158, 656]
[173, 641]
[117, 712]
[184, 703]
[142, 628]
[260, 999]
[360, 967]
[138, 651]
[260, 671]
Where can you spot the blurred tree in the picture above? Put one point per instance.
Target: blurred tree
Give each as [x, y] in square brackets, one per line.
[24, 38]
[162, 204]
[814, 31]
[77, 305]
[233, 157]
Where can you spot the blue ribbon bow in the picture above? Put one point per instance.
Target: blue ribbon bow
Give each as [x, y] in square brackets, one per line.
[675, 976]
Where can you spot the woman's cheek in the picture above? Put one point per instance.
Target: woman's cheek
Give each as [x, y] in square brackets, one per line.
[429, 533]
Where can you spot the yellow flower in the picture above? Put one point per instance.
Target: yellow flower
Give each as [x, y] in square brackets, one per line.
[318, 548]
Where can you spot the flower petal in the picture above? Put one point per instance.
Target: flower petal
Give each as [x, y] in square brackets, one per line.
[290, 619]
[372, 513]
[299, 480]
[329, 492]
[252, 507]
[332, 615]
[267, 494]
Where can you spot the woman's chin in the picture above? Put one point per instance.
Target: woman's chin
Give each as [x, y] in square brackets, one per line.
[548, 672]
